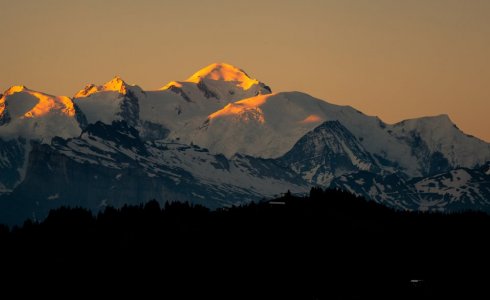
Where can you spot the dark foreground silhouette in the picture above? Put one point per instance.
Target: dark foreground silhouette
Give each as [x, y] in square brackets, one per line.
[330, 245]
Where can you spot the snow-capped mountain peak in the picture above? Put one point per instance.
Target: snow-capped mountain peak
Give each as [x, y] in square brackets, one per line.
[114, 100]
[441, 135]
[31, 114]
[89, 89]
[224, 72]
[116, 84]
[21, 102]
[15, 89]
[4, 113]
[218, 81]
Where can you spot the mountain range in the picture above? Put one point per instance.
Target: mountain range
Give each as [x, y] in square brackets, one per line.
[222, 138]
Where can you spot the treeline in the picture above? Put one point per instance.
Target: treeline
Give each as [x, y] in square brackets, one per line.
[329, 245]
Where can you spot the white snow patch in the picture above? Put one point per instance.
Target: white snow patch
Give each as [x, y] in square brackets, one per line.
[197, 195]
[309, 175]
[54, 196]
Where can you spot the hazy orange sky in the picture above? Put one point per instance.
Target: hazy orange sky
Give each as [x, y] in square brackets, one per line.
[393, 59]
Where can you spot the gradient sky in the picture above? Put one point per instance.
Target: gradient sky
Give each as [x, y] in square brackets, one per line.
[393, 59]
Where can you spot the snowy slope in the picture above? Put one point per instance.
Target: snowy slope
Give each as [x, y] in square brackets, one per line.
[35, 115]
[457, 189]
[173, 111]
[391, 190]
[441, 136]
[106, 145]
[269, 125]
[266, 125]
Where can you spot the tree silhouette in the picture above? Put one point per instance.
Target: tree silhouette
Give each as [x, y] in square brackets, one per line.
[329, 244]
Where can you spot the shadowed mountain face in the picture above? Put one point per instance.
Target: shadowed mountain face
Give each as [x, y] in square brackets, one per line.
[13, 155]
[112, 165]
[221, 138]
[327, 152]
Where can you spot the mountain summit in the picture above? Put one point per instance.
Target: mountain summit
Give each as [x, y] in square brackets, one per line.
[32, 114]
[116, 84]
[224, 72]
[220, 81]
[114, 100]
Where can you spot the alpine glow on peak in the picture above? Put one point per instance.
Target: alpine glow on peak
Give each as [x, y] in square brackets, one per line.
[31, 114]
[224, 72]
[20, 101]
[116, 84]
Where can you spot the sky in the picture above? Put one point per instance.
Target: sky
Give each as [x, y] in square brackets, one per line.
[390, 58]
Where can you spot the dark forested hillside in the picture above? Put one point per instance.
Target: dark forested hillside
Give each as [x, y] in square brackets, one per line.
[330, 245]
